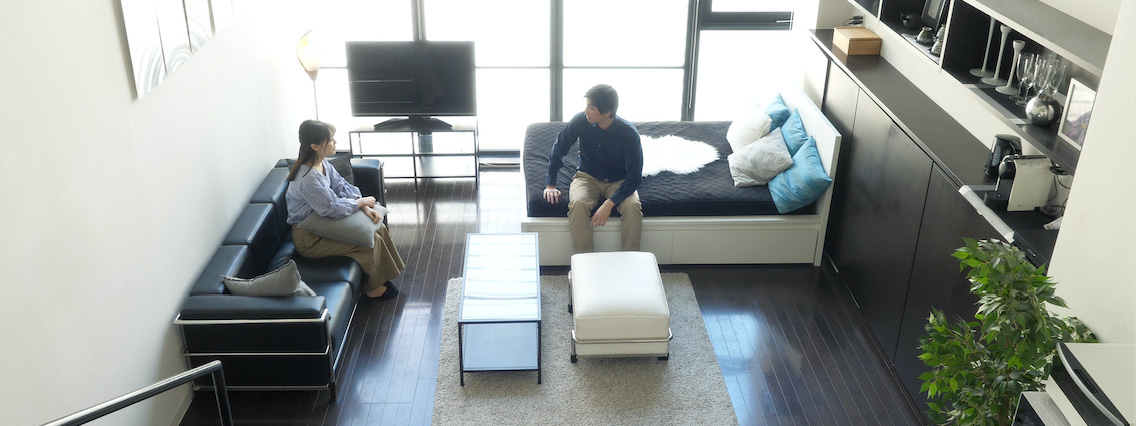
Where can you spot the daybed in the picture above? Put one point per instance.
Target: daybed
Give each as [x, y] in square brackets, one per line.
[696, 218]
[278, 342]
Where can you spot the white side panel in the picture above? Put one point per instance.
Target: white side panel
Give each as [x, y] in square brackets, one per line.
[745, 246]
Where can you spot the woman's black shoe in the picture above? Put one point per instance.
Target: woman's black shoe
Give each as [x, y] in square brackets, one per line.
[391, 292]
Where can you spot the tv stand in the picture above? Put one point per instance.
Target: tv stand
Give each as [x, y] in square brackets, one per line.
[419, 147]
[423, 124]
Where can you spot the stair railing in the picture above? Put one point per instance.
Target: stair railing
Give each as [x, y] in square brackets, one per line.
[97, 411]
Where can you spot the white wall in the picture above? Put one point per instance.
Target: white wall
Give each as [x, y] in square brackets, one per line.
[1101, 14]
[1095, 259]
[113, 205]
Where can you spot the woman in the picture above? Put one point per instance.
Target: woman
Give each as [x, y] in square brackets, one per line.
[316, 188]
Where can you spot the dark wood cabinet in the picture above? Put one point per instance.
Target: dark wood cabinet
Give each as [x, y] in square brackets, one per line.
[839, 105]
[936, 280]
[881, 212]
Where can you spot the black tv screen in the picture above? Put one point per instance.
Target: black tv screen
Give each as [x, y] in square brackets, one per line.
[411, 78]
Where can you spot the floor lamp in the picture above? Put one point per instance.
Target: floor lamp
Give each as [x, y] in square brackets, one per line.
[308, 52]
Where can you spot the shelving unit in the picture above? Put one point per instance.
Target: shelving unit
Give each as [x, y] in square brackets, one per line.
[1044, 29]
[420, 154]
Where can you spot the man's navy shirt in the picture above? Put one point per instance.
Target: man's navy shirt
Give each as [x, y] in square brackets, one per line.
[608, 155]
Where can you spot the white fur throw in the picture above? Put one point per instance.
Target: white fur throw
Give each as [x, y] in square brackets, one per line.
[674, 154]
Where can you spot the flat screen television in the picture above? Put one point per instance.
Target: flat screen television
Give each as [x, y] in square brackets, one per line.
[414, 79]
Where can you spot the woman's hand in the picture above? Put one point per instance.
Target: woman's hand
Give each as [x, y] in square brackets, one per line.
[365, 202]
[372, 213]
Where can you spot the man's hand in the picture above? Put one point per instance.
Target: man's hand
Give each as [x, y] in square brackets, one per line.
[551, 194]
[602, 213]
[373, 214]
[365, 202]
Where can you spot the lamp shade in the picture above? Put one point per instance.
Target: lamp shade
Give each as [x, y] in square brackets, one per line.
[308, 52]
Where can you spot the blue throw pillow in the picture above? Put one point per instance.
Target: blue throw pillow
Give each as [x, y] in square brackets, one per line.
[803, 182]
[794, 133]
[777, 111]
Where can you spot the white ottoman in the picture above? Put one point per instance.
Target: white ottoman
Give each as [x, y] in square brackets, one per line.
[618, 305]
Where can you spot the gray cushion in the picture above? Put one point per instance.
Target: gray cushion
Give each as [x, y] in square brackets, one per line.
[356, 228]
[758, 162]
[281, 282]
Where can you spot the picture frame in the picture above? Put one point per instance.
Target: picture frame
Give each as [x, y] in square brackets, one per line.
[1076, 114]
[933, 12]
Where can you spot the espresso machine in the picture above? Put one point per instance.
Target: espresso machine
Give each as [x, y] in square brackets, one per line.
[1024, 183]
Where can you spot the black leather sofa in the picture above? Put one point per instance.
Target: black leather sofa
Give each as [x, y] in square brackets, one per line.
[281, 343]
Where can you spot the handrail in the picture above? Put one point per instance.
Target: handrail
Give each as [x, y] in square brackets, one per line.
[140, 395]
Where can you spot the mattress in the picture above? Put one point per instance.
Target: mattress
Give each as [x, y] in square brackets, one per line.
[710, 191]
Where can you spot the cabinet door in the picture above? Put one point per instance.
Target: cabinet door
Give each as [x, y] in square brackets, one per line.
[839, 105]
[936, 280]
[879, 224]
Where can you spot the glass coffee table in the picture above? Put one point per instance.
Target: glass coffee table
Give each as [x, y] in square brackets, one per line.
[499, 317]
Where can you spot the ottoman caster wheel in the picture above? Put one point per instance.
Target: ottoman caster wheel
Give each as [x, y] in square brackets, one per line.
[573, 359]
[664, 358]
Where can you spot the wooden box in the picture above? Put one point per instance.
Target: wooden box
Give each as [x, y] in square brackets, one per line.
[856, 41]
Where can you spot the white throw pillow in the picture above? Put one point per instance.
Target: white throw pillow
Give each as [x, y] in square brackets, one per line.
[759, 162]
[748, 129]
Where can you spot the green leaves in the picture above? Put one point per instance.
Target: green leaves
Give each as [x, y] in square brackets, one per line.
[979, 368]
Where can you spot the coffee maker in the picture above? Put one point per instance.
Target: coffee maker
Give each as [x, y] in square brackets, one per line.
[1024, 183]
[1003, 145]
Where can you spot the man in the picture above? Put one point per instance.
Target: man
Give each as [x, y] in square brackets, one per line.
[611, 168]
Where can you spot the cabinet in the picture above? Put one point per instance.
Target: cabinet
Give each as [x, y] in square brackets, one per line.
[880, 214]
[936, 281]
[450, 153]
[839, 105]
[897, 214]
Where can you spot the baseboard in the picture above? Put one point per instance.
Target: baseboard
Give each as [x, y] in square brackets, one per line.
[184, 406]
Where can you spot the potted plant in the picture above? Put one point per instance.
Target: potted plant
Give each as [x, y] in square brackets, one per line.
[979, 368]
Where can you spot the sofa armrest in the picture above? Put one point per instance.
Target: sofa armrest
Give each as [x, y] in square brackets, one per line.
[216, 307]
[369, 178]
[228, 324]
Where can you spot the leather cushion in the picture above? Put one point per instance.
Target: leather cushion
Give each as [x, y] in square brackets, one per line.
[340, 305]
[618, 296]
[272, 190]
[227, 260]
[256, 228]
[336, 268]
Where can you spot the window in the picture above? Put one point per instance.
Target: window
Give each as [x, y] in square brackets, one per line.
[513, 56]
[731, 78]
[339, 21]
[636, 46]
[536, 58]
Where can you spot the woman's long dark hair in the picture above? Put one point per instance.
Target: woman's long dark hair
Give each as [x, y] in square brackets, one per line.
[311, 132]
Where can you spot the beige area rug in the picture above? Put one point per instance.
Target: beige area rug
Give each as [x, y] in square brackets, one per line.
[686, 390]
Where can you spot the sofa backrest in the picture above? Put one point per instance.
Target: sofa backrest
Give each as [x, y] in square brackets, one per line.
[227, 260]
[256, 228]
[273, 190]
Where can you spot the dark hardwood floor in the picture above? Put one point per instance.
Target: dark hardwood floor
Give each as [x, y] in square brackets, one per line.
[792, 348]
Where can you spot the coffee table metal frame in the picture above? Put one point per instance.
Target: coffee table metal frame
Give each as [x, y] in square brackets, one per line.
[499, 318]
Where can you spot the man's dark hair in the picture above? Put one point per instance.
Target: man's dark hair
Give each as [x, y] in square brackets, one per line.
[604, 98]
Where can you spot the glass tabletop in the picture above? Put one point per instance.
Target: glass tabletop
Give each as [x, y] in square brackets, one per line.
[501, 279]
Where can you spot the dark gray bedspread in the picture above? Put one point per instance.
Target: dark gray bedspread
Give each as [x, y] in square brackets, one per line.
[708, 192]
